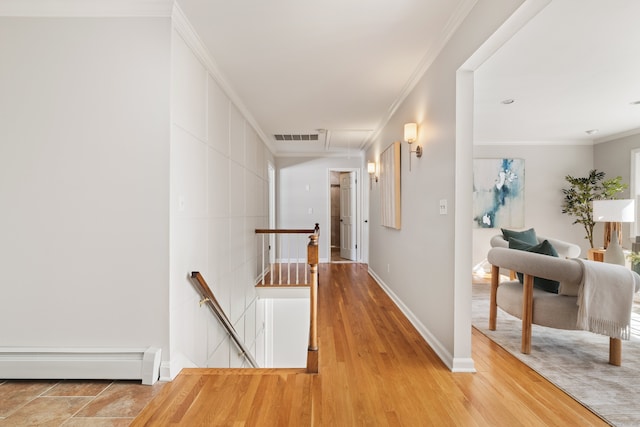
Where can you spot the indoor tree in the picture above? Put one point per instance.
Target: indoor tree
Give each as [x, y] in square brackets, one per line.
[582, 192]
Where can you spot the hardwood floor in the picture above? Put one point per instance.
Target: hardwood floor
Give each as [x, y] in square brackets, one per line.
[375, 369]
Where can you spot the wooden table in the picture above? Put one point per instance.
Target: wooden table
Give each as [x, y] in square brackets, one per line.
[596, 254]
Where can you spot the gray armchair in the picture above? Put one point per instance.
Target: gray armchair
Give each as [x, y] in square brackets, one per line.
[536, 306]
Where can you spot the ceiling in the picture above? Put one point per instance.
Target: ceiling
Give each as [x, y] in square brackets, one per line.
[573, 68]
[338, 69]
[332, 68]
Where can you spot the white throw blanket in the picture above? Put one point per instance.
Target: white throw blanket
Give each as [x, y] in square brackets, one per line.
[605, 299]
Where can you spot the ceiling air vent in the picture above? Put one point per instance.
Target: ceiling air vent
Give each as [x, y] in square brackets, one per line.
[297, 137]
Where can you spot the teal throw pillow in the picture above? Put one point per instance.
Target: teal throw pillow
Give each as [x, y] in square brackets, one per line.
[544, 248]
[528, 236]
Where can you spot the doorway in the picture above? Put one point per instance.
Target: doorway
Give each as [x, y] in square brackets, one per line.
[343, 216]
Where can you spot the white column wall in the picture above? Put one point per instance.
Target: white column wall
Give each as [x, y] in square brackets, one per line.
[84, 154]
[218, 198]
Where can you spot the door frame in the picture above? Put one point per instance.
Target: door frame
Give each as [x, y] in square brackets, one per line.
[358, 219]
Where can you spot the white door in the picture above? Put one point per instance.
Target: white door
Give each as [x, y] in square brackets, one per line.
[348, 215]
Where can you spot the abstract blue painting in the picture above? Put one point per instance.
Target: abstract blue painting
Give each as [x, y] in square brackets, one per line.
[498, 193]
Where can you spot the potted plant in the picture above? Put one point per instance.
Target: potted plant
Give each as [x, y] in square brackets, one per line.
[582, 192]
[634, 259]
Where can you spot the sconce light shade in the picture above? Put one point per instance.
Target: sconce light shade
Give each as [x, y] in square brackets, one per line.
[411, 135]
[410, 132]
[371, 168]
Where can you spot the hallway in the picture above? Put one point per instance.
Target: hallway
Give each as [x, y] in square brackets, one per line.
[375, 369]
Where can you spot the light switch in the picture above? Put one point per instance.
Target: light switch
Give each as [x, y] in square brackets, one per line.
[443, 206]
[310, 211]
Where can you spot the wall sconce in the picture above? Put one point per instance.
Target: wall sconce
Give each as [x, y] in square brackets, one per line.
[411, 135]
[371, 168]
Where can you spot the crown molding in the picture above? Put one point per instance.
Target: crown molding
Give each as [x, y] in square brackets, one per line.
[189, 34]
[86, 8]
[534, 143]
[615, 136]
[432, 53]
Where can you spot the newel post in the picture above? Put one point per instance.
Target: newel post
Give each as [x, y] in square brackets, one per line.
[312, 351]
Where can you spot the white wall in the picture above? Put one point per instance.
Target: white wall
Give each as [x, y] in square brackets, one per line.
[303, 185]
[219, 191]
[416, 264]
[84, 182]
[288, 332]
[545, 168]
[614, 158]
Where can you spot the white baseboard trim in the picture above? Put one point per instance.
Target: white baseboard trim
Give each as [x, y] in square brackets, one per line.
[169, 369]
[433, 342]
[463, 364]
[81, 363]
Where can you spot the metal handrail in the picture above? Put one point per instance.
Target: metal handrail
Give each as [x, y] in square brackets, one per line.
[211, 301]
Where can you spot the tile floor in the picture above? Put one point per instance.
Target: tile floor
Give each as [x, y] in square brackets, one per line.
[73, 403]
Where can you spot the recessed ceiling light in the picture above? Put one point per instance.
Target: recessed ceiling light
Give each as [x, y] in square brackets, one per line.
[591, 131]
[508, 101]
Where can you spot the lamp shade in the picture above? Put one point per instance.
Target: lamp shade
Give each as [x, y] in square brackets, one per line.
[410, 132]
[371, 168]
[621, 210]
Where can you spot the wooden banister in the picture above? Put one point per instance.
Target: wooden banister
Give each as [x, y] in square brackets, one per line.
[315, 230]
[312, 259]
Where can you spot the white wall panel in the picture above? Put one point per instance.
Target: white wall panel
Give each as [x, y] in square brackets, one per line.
[237, 190]
[218, 118]
[219, 257]
[237, 308]
[218, 196]
[189, 93]
[188, 175]
[236, 136]
[214, 234]
[290, 338]
[221, 357]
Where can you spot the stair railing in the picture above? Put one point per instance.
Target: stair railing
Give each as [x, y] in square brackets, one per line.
[208, 298]
[312, 261]
[287, 248]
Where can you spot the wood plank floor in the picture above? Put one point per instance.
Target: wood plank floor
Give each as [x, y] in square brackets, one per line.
[375, 369]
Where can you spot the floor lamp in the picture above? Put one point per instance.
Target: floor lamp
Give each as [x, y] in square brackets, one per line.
[614, 211]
